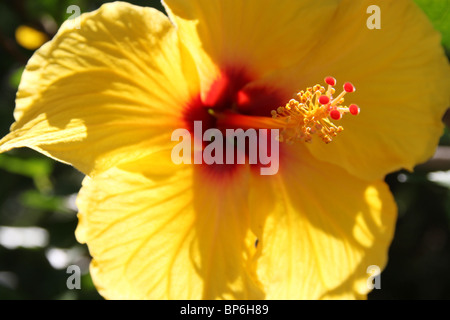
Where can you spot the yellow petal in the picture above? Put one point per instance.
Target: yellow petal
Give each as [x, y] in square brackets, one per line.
[157, 231]
[257, 36]
[30, 38]
[402, 80]
[400, 71]
[323, 228]
[105, 93]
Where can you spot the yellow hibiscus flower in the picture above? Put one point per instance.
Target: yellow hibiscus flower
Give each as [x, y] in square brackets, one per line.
[107, 97]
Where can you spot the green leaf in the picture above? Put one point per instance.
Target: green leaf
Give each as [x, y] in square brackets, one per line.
[33, 167]
[39, 169]
[438, 11]
[15, 77]
[36, 200]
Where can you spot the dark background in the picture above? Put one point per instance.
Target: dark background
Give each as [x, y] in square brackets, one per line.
[36, 191]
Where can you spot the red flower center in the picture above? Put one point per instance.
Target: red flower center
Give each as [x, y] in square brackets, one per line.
[232, 93]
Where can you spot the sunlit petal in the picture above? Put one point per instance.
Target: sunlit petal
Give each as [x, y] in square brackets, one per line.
[105, 93]
[158, 231]
[400, 71]
[323, 229]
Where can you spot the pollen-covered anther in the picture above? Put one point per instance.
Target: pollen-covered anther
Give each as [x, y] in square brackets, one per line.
[312, 113]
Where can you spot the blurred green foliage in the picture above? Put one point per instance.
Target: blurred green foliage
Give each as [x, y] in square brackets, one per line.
[36, 191]
[438, 11]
